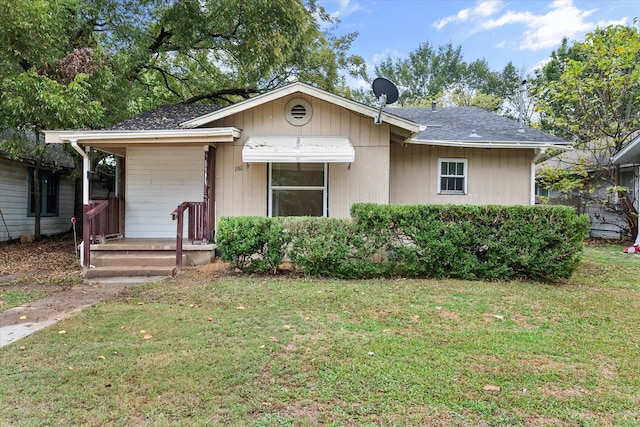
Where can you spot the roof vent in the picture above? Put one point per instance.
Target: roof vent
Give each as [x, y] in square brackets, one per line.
[298, 112]
[473, 134]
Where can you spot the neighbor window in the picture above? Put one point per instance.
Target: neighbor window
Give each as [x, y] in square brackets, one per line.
[298, 189]
[452, 176]
[49, 193]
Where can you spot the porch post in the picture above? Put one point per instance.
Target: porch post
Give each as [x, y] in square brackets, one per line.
[86, 226]
[205, 198]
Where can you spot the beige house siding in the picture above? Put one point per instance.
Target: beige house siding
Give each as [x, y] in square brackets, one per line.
[158, 180]
[495, 176]
[241, 188]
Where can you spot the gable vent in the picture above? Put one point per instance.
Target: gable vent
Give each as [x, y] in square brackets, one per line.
[298, 111]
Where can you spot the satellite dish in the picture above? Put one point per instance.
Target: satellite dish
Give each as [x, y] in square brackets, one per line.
[386, 92]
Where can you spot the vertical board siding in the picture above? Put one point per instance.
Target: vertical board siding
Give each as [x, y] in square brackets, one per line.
[158, 180]
[14, 181]
[495, 176]
[241, 189]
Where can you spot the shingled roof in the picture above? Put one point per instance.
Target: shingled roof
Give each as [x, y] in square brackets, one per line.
[165, 117]
[471, 124]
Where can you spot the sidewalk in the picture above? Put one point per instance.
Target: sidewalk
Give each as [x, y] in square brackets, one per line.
[39, 314]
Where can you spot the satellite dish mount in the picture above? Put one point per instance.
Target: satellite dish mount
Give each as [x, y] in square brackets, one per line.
[386, 92]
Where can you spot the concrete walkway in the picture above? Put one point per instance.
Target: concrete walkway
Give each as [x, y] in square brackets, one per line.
[19, 322]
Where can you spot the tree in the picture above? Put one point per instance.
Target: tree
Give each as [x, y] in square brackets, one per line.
[442, 75]
[589, 93]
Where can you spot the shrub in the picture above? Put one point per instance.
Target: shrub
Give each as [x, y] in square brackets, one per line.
[252, 243]
[469, 242]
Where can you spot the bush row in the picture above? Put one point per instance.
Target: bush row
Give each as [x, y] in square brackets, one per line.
[542, 243]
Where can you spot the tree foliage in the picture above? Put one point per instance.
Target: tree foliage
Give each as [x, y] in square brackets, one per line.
[589, 93]
[441, 74]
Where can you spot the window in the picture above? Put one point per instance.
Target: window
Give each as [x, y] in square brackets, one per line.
[49, 193]
[298, 189]
[452, 176]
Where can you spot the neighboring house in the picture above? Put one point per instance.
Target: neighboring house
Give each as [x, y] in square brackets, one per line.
[630, 155]
[607, 220]
[17, 198]
[299, 150]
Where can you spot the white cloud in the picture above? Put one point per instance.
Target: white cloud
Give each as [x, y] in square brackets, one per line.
[382, 56]
[545, 31]
[482, 10]
[346, 8]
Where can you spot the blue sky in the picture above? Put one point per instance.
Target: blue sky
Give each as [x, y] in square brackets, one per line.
[524, 32]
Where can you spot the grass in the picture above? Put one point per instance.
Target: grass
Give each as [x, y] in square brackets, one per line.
[10, 298]
[279, 352]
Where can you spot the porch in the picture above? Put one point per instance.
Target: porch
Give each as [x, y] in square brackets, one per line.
[109, 254]
[140, 257]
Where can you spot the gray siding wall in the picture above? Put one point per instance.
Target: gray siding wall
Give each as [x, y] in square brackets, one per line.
[14, 180]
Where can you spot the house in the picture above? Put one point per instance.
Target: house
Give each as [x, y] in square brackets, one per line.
[594, 199]
[17, 217]
[299, 150]
[630, 155]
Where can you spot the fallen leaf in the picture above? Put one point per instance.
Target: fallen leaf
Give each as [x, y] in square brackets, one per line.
[101, 357]
[287, 327]
[497, 316]
[62, 332]
[491, 388]
[262, 346]
[210, 319]
[71, 368]
[23, 317]
[23, 347]
[239, 307]
[122, 328]
[143, 331]
[140, 303]
[148, 336]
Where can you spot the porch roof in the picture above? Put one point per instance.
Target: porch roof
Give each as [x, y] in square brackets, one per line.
[301, 149]
[118, 138]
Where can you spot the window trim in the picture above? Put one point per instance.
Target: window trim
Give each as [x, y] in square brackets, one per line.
[324, 188]
[465, 176]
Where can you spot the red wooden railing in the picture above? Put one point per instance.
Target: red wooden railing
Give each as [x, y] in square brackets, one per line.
[197, 226]
[94, 226]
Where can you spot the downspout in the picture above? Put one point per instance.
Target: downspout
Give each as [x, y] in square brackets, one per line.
[85, 171]
[84, 246]
[538, 155]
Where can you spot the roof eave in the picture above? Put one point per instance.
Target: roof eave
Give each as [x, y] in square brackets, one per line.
[491, 144]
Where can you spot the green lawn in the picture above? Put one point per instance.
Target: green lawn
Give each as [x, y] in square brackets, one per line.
[278, 352]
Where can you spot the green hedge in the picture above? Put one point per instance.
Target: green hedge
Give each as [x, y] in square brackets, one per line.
[542, 243]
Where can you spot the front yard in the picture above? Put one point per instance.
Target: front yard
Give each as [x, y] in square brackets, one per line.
[210, 349]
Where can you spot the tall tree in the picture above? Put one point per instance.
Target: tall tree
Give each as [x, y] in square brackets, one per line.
[589, 93]
[45, 80]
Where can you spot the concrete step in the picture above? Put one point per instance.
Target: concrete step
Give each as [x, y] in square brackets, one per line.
[118, 259]
[104, 272]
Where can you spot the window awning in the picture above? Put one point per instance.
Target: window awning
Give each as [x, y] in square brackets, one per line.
[298, 149]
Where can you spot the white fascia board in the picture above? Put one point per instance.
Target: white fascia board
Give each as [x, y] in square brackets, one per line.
[629, 154]
[135, 136]
[307, 90]
[491, 144]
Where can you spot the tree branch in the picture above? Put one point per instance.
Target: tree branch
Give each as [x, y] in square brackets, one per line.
[220, 94]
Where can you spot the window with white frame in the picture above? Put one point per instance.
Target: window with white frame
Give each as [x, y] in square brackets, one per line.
[297, 189]
[452, 176]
